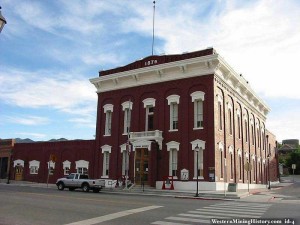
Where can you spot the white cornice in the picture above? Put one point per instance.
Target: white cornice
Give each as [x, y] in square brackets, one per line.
[195, 67]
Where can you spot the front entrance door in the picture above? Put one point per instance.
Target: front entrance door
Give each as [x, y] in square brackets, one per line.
[19, 172]
[141, 165]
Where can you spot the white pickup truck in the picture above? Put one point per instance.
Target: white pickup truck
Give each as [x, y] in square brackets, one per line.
[77, 180]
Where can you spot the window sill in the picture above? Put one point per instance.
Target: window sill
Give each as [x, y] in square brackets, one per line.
[106, 135]
[104, 176]
[125, 134]
[198, 128]
[173, 130]
[175, 178]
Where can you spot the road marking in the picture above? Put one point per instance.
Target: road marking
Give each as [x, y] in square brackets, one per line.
[112, 216]
[221, 211]
[232, 209]
[169, 223]
[229, 211]
[187, 219]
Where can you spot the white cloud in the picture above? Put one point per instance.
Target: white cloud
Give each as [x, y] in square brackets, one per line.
[84, 122]
[28, 120]
[42, 89]
[285, 125]
[259, 39]
[31, 135]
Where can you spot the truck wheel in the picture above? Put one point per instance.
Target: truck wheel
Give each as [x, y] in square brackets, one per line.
[61, 186]
[96, 190]
[86, 187]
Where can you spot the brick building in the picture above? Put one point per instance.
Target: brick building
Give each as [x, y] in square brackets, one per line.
[182, 118]
[30, 161]
[174, 105]
[6, 146]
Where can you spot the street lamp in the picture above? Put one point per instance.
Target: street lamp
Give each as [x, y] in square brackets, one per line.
[269, 180]
[197, 177]
[2, 21]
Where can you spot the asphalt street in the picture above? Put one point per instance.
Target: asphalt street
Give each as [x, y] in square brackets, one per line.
[35, 205]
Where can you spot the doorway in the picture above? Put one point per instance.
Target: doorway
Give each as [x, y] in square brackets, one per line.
[141, 165]
[19, 173]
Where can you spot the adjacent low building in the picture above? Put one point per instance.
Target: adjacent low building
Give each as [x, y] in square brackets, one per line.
[167, 121]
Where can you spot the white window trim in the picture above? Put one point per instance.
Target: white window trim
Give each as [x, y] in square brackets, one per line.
[19, 162]
[127, 105]
[197, 95]
[149, 102]
[106, 148]
[82, 163]
[173, 98]
[108, 107]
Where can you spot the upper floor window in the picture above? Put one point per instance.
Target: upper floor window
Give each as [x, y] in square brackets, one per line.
[198, 98]
[238, 112]
[252, 131]
[108, 109]
[149, 104]
[173, 102]
[127, 107]
[246, 130]
[230, 121]
[220, 112]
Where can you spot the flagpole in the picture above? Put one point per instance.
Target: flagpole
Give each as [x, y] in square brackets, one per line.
[153, 26]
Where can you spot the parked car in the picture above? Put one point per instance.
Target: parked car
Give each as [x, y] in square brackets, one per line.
[76, 180]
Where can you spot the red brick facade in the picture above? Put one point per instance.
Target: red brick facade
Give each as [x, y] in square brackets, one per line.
[218, 113]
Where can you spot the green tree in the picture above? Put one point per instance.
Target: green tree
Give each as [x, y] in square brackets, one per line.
[294, 158]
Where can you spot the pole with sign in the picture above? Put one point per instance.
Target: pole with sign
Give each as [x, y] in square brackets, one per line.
[293, 167]
[248, 167]
[225, 177]
[52, 158]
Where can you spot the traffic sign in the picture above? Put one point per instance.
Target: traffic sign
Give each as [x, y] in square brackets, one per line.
[248, 166]
[293, 166]
[53, 158]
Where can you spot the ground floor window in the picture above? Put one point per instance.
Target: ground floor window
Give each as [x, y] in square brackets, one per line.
[125, 162]
[82, 166]
[82, 170]
[34, 166]
[34, 170]
[173, 162]
[105, 164]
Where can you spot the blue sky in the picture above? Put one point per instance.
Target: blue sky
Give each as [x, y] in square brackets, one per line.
[50, 49]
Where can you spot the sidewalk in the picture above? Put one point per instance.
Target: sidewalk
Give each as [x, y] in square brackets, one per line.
[261, 195]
